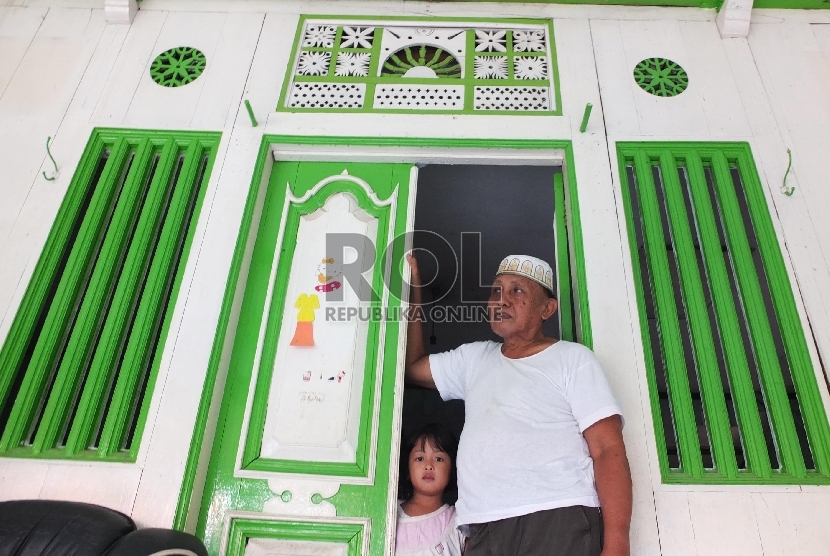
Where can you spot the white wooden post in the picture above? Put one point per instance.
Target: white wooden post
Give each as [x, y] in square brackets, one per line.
[733, 18]
[120, 11]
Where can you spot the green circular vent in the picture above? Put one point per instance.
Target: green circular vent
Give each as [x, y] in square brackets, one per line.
[178, 66]
[661, 77]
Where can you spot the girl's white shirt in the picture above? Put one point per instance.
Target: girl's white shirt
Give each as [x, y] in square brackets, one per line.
[432, 534]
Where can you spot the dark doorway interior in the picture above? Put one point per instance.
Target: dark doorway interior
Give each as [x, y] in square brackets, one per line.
[512, 207]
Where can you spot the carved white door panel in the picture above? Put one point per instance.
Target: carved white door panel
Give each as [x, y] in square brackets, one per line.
[313, 413]
[302, 463]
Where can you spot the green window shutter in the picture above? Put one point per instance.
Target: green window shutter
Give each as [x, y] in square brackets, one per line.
[78, 366]
[732, 386]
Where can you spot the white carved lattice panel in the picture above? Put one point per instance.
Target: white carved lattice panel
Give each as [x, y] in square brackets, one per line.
[452, 40]
[530, 67]
[527, 99]
[327, 95]
[314, 403]
[419, 97]
[403, 62]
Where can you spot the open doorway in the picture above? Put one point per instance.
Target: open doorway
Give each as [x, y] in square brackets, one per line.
[494, 211]
[295, 177]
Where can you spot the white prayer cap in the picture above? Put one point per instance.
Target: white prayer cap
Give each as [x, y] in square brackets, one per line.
[530, 267]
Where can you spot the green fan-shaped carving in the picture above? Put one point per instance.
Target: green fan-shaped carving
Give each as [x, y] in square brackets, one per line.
[178, 66]
[436, 59]
[661, 77]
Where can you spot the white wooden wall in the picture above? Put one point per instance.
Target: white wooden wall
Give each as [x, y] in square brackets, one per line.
[772, 91]
[64, 71]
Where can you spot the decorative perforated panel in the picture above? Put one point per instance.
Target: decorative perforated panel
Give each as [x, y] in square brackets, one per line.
[327, 95]
[661, 77]
[527, 99]
[419, 97]
[178, 66]
[440, 65]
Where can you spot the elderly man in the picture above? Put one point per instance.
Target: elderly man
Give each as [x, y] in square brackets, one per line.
[541, 464]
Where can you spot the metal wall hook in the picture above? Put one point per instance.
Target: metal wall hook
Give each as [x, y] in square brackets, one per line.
[55, 164]
[788, 191]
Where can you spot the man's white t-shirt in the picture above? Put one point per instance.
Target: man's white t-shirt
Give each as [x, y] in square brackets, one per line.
[522, 449]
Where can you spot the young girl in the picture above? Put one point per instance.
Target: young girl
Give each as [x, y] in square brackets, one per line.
[426, 525]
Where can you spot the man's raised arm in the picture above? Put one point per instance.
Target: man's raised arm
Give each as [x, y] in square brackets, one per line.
[417, 360]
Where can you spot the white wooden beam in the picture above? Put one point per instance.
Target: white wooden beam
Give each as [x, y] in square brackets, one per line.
[120, 11]
[733, 18]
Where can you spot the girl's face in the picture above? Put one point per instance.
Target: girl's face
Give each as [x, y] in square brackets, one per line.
[429, 468]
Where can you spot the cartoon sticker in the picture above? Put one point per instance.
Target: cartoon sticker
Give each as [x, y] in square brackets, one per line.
[328, 273]
[304, 333]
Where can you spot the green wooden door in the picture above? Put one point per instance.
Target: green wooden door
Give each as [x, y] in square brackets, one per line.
[301, 458]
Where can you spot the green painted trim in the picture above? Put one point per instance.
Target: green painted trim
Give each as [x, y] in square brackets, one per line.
[665, 3]
[47, 349]
[114, 331]
[704, 4]
[468, 81]
[100, 280]
[675, 477]
[138, 346]
[370, 18]
[583, 333]
[209, 145]
[554, 63]
[250, 494]
[250, 110]
[200, 426]
[563, 260]
[798, 355]
[36, 294]
[256, 492]
[664, 299]
[258, 489]
[421, 112]
[244, 529]
[585, 117]
[791, 4]
[335, 51]
[63, 397]
[775, 393]
[292, 62]
[722, 158]
[648, 348]
[251, 458]
[561, 144]
[694, 299]
[469, 71]
[374, 60]
[746, 407]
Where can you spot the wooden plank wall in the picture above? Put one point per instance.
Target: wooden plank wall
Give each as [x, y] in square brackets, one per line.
[771, 90]
[63, 71]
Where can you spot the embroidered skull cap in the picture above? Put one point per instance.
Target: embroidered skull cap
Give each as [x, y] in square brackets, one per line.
[530, 267]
